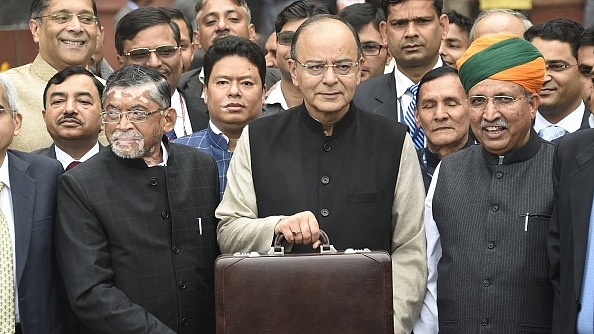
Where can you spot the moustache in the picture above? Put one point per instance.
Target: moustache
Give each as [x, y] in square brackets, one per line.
[497, 123]
[69, 118]
[219, 35]
[125, 135]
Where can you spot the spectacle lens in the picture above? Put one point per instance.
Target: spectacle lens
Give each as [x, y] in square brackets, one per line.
[285, 37]
[163, 51]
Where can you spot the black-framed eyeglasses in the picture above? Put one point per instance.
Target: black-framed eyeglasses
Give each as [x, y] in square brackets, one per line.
[371, 49]
[499, 101]
[142, 54]
[285, 37]
[133, 116]
[556, 68]
[343, 68]
[63, 17]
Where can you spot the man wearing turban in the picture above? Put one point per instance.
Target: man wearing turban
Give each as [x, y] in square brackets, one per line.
[488, 208]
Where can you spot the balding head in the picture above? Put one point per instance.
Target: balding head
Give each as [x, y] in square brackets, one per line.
[499, 21]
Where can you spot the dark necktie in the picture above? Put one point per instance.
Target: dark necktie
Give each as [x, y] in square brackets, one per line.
[72, 165]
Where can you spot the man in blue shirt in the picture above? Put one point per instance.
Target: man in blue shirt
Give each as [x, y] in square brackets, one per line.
[234, 91]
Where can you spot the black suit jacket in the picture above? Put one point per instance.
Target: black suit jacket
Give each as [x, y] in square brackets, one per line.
[573, 185]
[190, 87]
[137, 245]
[378, 95]
[42, 304]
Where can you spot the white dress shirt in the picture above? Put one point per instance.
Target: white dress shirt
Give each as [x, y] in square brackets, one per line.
[428, 322]
[403, 96]
[65, 159]
[182, 126]
[570, 123]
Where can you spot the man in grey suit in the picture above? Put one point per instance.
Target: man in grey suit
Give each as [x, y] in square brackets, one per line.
[135, 232]
[27, 202]
[413, 31]
[72, 100]
[489, 206]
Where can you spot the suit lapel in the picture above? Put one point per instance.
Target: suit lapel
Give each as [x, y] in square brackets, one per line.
[197, 109]
[582, 183]
[586, 119]
[387, 98]
[23, 197]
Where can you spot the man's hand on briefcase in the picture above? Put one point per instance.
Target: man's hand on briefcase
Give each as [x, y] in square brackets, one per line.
[300, 228]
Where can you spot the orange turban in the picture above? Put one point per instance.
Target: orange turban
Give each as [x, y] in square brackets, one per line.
[505, 58]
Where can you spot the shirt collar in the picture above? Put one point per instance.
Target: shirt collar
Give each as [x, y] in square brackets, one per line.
[571, 123]
[65, 159]
[132, 5]
[4, 177]
[217, 131]
[201, 77]
[165, 155]
[403, 82]
[276, 96]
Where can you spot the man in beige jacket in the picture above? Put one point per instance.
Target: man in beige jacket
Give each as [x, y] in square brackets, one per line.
[66, 31]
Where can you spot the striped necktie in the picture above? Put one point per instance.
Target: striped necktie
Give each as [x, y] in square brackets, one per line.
[416, 133]
[7, 321]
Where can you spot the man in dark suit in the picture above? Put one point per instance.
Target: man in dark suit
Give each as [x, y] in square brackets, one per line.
[72, 100]
[561, 108]
[414, 31]
[148, 36]
[135, 232]
[571, 239]
[585, 57]
[27, 204]
[232, 17]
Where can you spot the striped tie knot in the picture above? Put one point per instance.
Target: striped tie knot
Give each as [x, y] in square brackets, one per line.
[416, 133]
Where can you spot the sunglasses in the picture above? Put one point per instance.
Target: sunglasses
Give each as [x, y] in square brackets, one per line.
[141, 54]
[285, 37]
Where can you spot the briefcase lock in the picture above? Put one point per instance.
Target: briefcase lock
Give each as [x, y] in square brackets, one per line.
[278, 249]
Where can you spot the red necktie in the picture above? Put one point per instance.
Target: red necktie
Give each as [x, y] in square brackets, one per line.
[72, 165]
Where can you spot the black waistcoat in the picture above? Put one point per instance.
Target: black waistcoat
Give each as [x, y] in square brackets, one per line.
[347, 180]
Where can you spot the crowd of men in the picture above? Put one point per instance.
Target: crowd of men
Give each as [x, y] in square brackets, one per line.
[463, 148]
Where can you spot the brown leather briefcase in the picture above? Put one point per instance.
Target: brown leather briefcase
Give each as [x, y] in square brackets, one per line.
[330, 292]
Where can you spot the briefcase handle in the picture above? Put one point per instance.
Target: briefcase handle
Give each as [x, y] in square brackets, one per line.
[278, 249]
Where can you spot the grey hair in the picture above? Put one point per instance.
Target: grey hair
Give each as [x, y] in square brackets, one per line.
[9, 92]
[527, 24]
[201, 3]
[137, 75]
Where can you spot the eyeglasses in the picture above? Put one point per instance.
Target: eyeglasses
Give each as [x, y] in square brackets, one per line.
[61, 18]
[557, 67]
[7, 112]
[141, 54]
[134, 116]
[371, 49]
[285, 37]
[499, 101]
[585, 70]
[344, 68]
